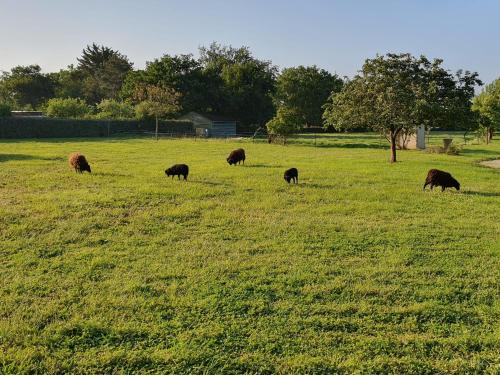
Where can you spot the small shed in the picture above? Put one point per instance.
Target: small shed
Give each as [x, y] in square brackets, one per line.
[415, 141]
[210, 125]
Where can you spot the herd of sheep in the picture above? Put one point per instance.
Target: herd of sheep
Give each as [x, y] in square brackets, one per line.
[435, 177]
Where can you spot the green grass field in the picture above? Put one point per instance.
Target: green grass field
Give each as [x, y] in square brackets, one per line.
[354, 270]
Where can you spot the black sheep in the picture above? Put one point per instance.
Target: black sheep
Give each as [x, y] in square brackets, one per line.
[178, 170]
[435, 177]
[236, 156]
[292, 174]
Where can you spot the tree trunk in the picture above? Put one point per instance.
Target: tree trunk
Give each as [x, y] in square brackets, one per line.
[156, 129]
[489, 134]
[393, 136]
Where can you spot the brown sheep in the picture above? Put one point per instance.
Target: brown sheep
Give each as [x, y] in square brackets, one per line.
[78, 162]
[435, 177]
[178, 170]
[236, 156]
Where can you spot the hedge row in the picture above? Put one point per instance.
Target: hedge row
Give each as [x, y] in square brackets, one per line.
[18, 127]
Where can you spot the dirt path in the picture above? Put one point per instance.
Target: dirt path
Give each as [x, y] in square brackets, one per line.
[491, 163]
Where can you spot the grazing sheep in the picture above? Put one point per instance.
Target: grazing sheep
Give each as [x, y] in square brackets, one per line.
[178, 170]
[292, 174]
[435, 177]
[236, 156]
[79, 162]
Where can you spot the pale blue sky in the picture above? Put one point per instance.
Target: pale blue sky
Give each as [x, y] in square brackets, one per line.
[335, 35]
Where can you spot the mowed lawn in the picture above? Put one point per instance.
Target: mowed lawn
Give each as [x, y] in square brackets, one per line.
[355, 269]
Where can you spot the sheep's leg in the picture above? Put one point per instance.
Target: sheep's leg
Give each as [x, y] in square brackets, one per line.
[425, 185]
[443, 188]
[432, 186]
[179, 177]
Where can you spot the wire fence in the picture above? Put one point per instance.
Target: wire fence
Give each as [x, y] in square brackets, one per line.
[432, 138]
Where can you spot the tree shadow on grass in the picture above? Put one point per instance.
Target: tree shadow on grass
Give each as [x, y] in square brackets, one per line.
[21, 157]
[480, 151]
[481, 193]
[354, 145]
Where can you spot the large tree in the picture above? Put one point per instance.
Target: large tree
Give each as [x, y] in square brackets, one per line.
[182, 73]
[240, 86]
[68, 82]
[487, 105]
[26, 87]
[395, 93]
[305, 90]
[104, 71]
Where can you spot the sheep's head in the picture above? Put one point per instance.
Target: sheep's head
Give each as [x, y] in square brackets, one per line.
[168, 172]
[456, 184]
[86, 167]
[230, 161]
[287, 179]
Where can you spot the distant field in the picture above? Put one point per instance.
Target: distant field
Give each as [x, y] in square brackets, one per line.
[353, 270]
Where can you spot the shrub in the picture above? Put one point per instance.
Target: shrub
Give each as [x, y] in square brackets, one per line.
[4, 110]
[114, 110]
[284, 123]
[451, 150]
[68, 108]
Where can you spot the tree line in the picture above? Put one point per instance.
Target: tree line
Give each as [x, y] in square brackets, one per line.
[392, 93]
[223, 80]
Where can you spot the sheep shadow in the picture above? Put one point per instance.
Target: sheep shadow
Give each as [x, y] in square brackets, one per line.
[111, 174]
[208, 183]
[481, 193]
[23, 157]
[318, 186]
[264, 166]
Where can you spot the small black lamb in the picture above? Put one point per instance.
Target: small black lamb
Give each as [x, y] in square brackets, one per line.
[78, 162]
[435, 177]
[178, 170]
[292, 174]
[236, 156]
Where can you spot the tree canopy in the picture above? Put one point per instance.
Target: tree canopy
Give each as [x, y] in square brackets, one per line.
[305, 90]
[487, 105]
[26, 87]
[395, 93]
[104, 71]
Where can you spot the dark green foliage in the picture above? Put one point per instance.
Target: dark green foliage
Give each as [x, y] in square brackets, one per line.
[5, 110]
[69, 82]
[305, 90]
[26, 87]
[226, 81]
[104, 71]
[241, 86]
[182, 73]
[18, 127]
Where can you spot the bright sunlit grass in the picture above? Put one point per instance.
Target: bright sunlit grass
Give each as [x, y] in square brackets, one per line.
[354, 269]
